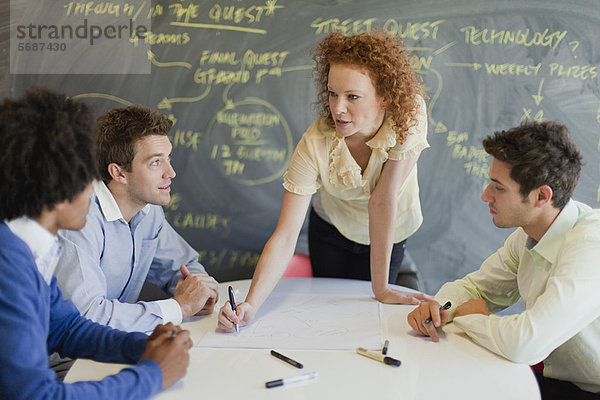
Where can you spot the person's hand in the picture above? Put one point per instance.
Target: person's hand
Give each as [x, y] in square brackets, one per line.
[228, 318]
[209, 306]
[196, 293]
[169, 352]
[473, 306]
[393, 296]
[429, 309]
[161, 329]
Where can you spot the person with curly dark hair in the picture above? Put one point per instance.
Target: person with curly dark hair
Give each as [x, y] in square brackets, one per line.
[360, 159]
[47, 163]
[550, 261]
[127, 240]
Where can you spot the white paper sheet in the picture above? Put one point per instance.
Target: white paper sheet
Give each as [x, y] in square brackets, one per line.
[315, 322]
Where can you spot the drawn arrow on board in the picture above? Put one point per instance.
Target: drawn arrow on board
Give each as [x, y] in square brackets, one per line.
[538, 97]
[103, 96]
[475, 66]
[167, 103]
[152, 58]
[440, 128]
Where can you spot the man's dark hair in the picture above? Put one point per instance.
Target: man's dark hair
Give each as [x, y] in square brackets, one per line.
[118, 131]
[47, 152]
[539, 154]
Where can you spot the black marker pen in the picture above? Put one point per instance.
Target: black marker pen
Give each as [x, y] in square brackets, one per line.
[442, 308]
[286, 359]
[385, 347]
[378, 357]
[291, 379]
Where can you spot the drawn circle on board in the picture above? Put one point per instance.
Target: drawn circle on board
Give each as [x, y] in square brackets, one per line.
[250, 141]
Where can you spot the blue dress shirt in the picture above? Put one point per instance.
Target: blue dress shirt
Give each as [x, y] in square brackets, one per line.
[103, 267]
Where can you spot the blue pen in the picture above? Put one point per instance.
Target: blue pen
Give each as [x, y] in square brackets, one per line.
[233, 307]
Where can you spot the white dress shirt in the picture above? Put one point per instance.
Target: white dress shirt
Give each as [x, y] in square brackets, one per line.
[323, 162]
[43, 245]
[558, 279]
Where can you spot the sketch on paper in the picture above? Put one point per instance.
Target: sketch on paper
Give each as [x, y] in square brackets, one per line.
[316, 322]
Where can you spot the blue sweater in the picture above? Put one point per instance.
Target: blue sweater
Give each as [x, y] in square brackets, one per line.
[36, 321]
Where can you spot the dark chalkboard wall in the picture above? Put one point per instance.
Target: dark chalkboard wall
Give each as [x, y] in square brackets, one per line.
[235, 76]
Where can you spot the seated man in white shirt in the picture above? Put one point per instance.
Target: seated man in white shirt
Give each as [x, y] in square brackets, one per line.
[126, 240]
[550, 261]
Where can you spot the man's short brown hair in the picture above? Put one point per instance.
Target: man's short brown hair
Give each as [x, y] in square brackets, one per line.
[118, 131]
[539, 154]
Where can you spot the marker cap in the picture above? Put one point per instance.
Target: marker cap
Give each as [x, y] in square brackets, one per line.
[272, 384]
[392, 361]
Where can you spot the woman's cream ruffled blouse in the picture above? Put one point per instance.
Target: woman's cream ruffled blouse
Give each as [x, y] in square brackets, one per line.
[323, 161]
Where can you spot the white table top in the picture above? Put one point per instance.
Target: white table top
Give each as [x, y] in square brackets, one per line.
[454, 368]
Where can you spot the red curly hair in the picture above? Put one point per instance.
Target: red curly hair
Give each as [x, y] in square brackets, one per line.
[386, 60]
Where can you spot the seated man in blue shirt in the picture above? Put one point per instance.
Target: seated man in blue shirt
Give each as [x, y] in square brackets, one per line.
[550, 261]
[47, 163]
[126, 240]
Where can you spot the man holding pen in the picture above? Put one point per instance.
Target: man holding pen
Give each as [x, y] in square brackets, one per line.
[550, 261]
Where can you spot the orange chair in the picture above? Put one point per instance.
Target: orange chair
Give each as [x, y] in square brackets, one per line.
[299, 267]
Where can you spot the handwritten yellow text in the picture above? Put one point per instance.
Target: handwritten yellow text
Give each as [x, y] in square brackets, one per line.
[213, 76]
[538, 117]
[254, 119]
[413, 30]
[271, 58]
[260, 154]
[220, 151]
[229, 258]
[188, 139]
[218, 57]
[275, 71]
[419, 63]
[186, 13]
[245, 133]
[347, 26]
[456, 137]
[477, 169]
[582, 72]
[86, 8]
[469, 153]
[173, 202]
[249, 15]
[208, 222]
[230, 158]
[512, 69]
[167, 38]
[527, 38]
[233, 167]
[155, 11]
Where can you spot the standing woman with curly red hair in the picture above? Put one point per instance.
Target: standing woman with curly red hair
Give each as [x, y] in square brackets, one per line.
[359, 157]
